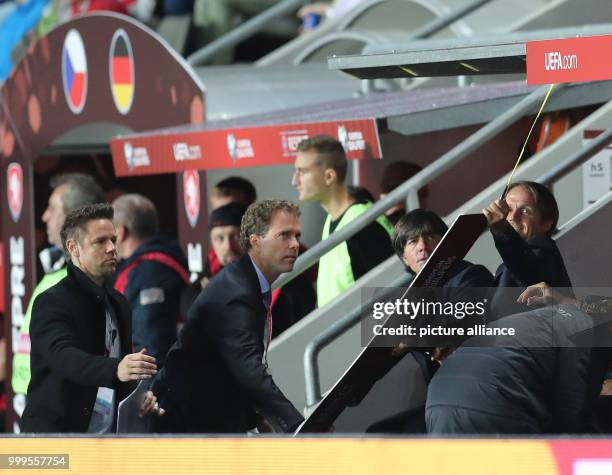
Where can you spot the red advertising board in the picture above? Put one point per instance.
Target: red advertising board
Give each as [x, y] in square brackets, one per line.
[569, 60]
[160, 152]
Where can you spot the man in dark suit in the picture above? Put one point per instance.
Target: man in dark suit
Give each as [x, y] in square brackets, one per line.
[81, 336]
[215, 378]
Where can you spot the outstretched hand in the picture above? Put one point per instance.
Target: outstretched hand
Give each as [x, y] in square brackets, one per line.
[136, 366]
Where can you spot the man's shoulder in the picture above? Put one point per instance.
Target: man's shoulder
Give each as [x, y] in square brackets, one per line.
[234, 280]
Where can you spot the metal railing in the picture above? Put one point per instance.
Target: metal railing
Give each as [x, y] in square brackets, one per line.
[255, 24]
[329, 335]
[437, 24]
[244, 31]
[578, 158]
[432, 171]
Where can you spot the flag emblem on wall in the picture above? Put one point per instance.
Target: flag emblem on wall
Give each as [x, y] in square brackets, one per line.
[121, 67]
[74, 71]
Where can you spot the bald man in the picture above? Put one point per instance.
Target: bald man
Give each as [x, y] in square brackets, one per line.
[152, 274]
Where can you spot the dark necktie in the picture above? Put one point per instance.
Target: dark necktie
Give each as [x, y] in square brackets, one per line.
[267, 298]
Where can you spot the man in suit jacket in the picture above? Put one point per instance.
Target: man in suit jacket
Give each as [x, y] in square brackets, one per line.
[81, 336]
[215, 376]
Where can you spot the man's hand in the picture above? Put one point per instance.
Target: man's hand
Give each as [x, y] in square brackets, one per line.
[542, 294]
[136, 366]
[400, 349]
[150, 407]
[440, 353]
[496, 213]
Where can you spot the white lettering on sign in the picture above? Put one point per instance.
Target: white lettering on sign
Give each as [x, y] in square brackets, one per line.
[593, 467]
[356, 141]
[244, 149]
[194, 257]
[183, 151]
[555, 61]
[17, 260]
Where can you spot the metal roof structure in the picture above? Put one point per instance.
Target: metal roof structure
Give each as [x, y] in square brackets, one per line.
[482, 55]
[411, 113]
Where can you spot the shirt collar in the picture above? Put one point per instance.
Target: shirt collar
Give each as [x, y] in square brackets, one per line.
[263, 283]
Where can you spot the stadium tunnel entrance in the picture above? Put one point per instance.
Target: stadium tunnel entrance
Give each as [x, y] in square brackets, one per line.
[88, 79]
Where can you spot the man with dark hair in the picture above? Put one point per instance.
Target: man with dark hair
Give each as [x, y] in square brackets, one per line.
[522, 225]
[152, 274]
[215, 376]
[69, 192]
[320, 174]
[81, 337]
[233, 189]
[415, 237]
[394, 175]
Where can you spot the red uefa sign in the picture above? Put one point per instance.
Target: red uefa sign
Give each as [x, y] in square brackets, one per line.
[191, 195]
[14, 190]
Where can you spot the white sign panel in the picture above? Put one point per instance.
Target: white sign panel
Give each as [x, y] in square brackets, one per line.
[596, 178]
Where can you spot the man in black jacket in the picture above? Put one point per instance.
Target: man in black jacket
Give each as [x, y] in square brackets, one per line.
[541, 379]
[152, 274]
[80, 332]
[215, 376]
[522, 224]
[415, 238]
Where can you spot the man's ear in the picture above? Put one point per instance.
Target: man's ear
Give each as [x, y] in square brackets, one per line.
[122, 232]
[548, 226]
[254, 240]
[330, 176]
[73, 247]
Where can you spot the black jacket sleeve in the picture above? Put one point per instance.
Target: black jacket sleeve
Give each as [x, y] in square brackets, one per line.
[530, 262]
[368, 248]
[58, 343]
[237, 341]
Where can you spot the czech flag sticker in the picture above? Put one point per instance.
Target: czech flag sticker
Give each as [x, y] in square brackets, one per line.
[121, 67]
[74, 71]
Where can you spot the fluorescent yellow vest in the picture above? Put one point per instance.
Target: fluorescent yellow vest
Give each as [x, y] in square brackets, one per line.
[21, 357]
[335, 273]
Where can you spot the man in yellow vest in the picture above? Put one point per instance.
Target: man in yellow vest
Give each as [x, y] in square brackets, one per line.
[69, 191]
[320, 174]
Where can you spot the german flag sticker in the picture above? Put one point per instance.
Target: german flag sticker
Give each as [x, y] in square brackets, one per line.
[121, 66]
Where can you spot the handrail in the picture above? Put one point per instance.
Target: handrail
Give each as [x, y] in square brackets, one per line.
[330, 334]
[437, 24]
[245, 30]
[432, 171]
[431, 28]
[579, 157]
[326, 337]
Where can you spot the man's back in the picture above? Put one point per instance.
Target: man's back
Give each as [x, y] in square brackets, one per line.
[152, 280]
[534, 382]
